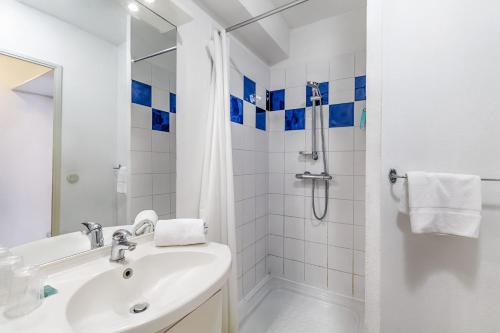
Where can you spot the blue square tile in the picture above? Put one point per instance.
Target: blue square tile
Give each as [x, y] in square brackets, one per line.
[236, 110]
[260, 118]
[360, 82]
[173, 103]
[295, 119]
[323, 89]
[360, 94]
[141, 93]
[277, 100]
[161, 121]
[249, 90]
[341, 115]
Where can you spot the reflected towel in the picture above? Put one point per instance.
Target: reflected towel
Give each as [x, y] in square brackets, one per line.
[180, 232]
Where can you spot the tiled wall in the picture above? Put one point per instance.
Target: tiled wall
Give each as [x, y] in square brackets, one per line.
[329, 253]
[152, 155]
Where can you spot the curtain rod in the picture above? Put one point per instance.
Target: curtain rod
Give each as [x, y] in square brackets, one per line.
[170, 49]
[264, 15]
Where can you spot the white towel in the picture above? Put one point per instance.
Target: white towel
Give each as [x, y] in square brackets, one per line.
[444, 203]
[146, 215]
[179, 232]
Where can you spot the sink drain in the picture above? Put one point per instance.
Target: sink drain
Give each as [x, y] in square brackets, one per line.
[127, 274]
[139, 307]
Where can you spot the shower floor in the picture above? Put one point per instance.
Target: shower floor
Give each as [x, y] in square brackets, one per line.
[289, 311]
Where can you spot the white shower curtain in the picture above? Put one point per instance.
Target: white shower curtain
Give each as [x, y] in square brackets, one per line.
[217, 191]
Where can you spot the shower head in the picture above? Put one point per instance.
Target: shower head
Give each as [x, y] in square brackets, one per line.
[313, 84]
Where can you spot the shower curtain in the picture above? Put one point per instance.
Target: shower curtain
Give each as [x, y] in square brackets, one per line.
[217, 192]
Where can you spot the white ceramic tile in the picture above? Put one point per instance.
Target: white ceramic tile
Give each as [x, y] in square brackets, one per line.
[316, 231]
[248, 210]
[316, 254]
[316, 276]
[260, 249]
[275, 265]
[140, 139]
[260, 91]
[141, 185]
[359, 187]
[260, 270]
[295, 97]
[342, 66]
[235, 83]
[340, 259]
[341, 163]
[173, 143]
[359, 163]
[173, 83]
[315, 166]
[341, 139]
[295, 141]
[160, 141]
[318, 71]
[277, 78]
[239, 282]
[139, 204]
[359, 238]
[173, 203]
[261, 227]
[248, 114]
[140, 162]
[238, 162]
[276, 120]
[160, 162]
[276, 183]
[294, 186]
[294, 206]
[161, 78]
[360, 63]
[276, 142]
[326, 116]
[276, 162]
[248, 234]
[319, 204]
[261, 206]
[239, 237]
[161, 204]
[276, 225]
[359, 213]
[248, 186]
[237, 136]
[341, 91]
[294, 249]
[275, 204]
[294, 163]
[294, 270]
[160, 99]
[141, 71]
[340, 282]
[261, 141]
[161, 184]
[239, 265]
[276, 245]
[294, 227]
[140, 116]
[295, 76]
[173, 181]
[319, 145]
[172, 162]
[248, 258]
[261, 162]
[238, 187]
[248, 281]
[342, 187]
[340, 235]
[341, 211]
[359, 139]
[359, 287]
[359, 263]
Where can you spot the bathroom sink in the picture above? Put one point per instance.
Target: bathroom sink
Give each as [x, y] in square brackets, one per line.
[156, 282]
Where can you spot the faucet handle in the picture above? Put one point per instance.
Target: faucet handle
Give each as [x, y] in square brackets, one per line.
[88, 227]
[121, 235]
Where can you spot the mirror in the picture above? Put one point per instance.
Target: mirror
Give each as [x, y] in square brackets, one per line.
[87, 135]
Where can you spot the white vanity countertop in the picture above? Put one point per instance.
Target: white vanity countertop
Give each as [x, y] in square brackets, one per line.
[189, 275]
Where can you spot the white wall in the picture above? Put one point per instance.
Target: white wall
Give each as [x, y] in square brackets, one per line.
[433, 71]
[88, 101]
[26, 172]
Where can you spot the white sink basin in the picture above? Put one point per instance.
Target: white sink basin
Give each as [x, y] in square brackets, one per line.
[94, 296]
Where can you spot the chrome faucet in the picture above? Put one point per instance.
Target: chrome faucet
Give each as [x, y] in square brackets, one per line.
[94, 232]
[119, 244]
[143, 227]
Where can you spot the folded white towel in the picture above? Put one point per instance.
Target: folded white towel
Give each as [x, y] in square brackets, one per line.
[180, 232]
[444, 203]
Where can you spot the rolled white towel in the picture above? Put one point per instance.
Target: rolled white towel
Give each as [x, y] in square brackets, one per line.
[180, 232]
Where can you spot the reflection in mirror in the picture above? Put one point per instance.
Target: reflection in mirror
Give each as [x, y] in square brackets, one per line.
[79, 160]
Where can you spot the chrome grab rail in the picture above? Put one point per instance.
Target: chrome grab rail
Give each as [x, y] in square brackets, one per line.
[308, 175]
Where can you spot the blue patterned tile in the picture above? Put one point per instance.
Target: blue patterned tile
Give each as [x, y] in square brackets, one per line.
[360, 82]
[260, 118]
[173, 103]
[323, 89]
[141, 93]
[161, 121]
[249, 90]
[277, 100]
[360, 88]
[341, 115]
[236, 110]
[295, 119]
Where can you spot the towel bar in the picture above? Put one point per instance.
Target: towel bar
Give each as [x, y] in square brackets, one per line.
[393, 177]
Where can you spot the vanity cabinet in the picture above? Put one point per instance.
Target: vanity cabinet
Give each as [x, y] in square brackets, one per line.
[207, 318]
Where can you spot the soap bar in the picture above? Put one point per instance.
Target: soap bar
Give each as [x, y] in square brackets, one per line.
[49, 291]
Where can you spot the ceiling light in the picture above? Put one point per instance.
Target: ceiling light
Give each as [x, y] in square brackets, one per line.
[150, 1]
[133, 7]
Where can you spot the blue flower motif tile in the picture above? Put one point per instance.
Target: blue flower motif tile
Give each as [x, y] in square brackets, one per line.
[161, 121]
[295, 119]
[141, 93]
[341, 115]
[236, 108]
[260, 119]
[360, 82]
[360, 88]
[277, 100]
[323, 89]
[249, 90]
[173, 103]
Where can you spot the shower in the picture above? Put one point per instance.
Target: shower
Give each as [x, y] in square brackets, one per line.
[323, 176]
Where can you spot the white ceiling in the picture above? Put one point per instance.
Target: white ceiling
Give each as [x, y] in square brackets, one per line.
[315, 10]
